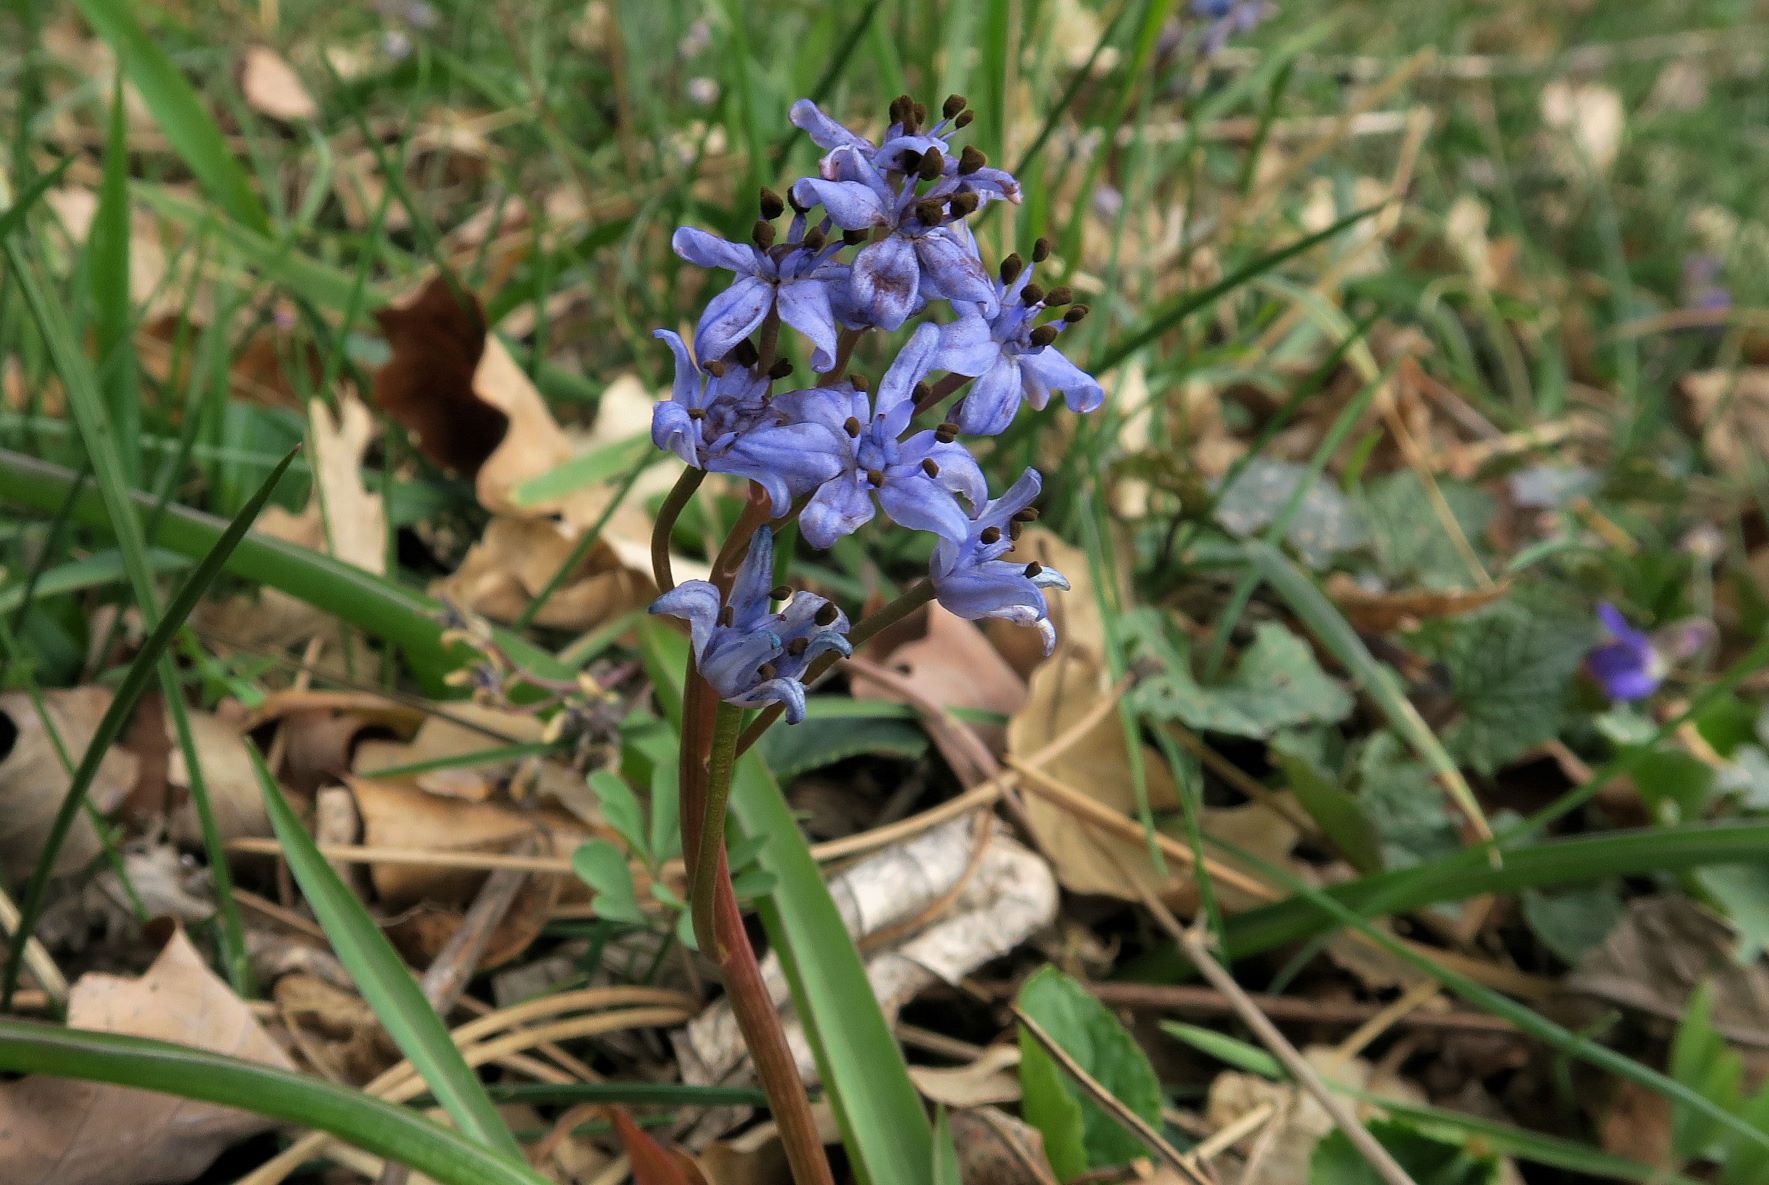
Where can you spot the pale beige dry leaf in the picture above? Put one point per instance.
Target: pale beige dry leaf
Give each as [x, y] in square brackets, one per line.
[1382, 612]
[1591, 116]
[33, 779]
[469, 728]
[230, 780]
[1731, 410]
[516, 559]
[991, 1078]
[272, 87]
[149, 286]
[59, 1131]
[953, 666]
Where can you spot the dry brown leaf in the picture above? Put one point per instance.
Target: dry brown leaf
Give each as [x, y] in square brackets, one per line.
[422, 932]
[469, 728]
[1086, 859]
[1637, 1124]
[994, 1148]
[272, 87]
[517, 557]
[334, 1029]
[954, 666]
[432, 385]
[60, 1131]
[992, 1078]
[1384, 612]
[229, 778]
[33, 779]
[1731, 410]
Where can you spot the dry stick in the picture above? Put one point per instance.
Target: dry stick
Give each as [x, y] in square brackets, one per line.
[446, 978]
[1196, 946]
[1094, 1089]
[42, 968]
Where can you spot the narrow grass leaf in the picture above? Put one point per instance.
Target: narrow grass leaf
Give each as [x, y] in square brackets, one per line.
[384, 980]
[396, 1133]
[13, 216]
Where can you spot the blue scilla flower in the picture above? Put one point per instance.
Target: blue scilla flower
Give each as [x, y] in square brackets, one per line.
[720, 418]
[795, 277]
[1631, 664]
[915, 480]
[973, 581]
[1012, 356]
[751, 655]
[920, 247]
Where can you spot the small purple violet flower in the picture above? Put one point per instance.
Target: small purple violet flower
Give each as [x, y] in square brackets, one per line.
[915, 480]
[925, 250]
[973, 581]
[722, 419]
[1011, 355]
[795, 277]
[1632, 664]
[1225, 18]
[751, 656]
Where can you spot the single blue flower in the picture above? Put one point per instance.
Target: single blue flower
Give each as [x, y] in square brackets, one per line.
[973, 581]
[1011, 355]
[795, 277]
[753, 656]
[722, 419]
[1631, 664]
[921, 248]
[915, 480]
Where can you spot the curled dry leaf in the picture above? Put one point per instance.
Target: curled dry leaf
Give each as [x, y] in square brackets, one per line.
[1384, 612]
[431, 385]
[466, 729]
[517, 558]
[991, 1078]
[272, 87]
[59, 1131]
[33, 780]
[423, 931]
[334, 1029]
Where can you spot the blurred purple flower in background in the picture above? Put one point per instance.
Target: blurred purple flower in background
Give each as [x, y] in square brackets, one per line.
[1631, 664]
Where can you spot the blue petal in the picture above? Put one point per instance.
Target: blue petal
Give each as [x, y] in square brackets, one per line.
[824, 131]
[788, 693]
[850, 204]
[688, 386]
[1080, 390]
[755, 577]
[826, 407]
[786, 461]
[674, 431]
[918, 502]
[895, 401]
[968, 345]
[887, 281]
[989, 406]
[695, 601]
[954, 271]
[709, 250]
[839, 507]
[804, 305]
[732, 316]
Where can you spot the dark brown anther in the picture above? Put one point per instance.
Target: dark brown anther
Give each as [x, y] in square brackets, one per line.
[921, 393]
[860, 382]
[932, 164]
[767, 670]
[727, 616]
[946, 433]
[875, 476]
[971, 159]
[1027, 515]
[780, 592]
[902, 107]
[815, 238]
[932, 211]
[963, 118]
[798, 207]
[920, 114]
[1013, 531]
[854, 237]
[1011, 267]
[990, 536]
[851, 426]
[1033, 569]
[827, 615]
[716, 368]
[1041, 251]
[697, 413]
[798, 646]
[1031, 294]
[1061, 295]
[781, 368]
[930, 467]
[1043, 335]
[953, 105]
[963, 205]
[745, 353]
[762, 232]
[910, 161]
[1078, 313]
[771, 203]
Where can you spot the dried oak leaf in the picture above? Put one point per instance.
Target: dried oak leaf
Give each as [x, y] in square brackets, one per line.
[438, 339]
[271, 87]
[33, 779]
[60, 1131]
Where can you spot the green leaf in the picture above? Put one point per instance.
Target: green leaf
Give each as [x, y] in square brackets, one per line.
[945, 1169]
[818, 741]
[1413, 546]
[304, 1100]
[384, 980]
[1427, 1159]
[1570, 922]
[1048, 1105]
[107, 264]
[1277, 684]
[1742, 893]
[177, 110]
[1325, 522]
[1701, 1060]
[1395, 792]
[13, 216]
[1239, 1054]
[1317, 788]
[603, 867]
[1089, 1033]
[620, 806]
[598, 465]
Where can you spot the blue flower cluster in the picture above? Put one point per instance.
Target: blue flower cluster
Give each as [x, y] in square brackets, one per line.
[878, 237]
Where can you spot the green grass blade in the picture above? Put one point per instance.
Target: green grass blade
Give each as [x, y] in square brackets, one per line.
[884, 1127]
[110, 725]
[394, 1132]
[177, 110]
[14, 215]
[107, 268]
[384, 980]
[1175, 311]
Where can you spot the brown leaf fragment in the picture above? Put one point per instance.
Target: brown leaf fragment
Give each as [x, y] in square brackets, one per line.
[60, 1131]
[33, 779]
[1730, 408]
[437, 339]
[1384, 612]
[272, 87]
